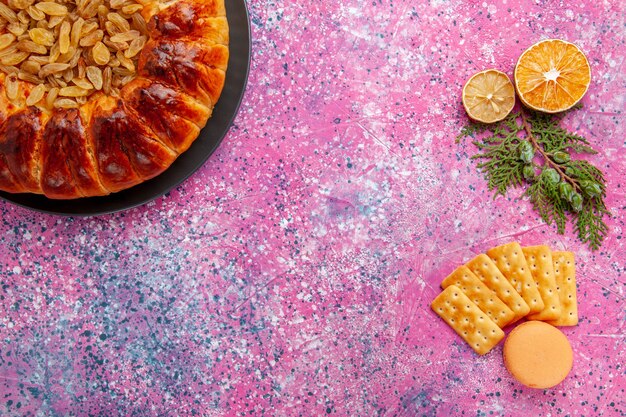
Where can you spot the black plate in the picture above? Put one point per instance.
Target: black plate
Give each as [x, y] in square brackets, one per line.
[187, 163]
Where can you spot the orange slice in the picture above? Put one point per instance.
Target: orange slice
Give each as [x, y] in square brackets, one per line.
[488, 96]
[552, 76]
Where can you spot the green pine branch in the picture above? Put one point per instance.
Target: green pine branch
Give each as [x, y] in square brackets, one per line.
[531, 149]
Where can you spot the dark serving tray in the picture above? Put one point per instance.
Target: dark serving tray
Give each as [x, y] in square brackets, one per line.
[187, 163]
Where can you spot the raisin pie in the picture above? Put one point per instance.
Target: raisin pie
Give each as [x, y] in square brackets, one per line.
[97, 96]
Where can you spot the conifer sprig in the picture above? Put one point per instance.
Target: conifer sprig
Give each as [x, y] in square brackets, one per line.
[531, 149]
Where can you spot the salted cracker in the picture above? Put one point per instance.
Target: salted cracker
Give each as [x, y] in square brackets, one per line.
[539, 260]
[511, 262]
[485, 298]
[484, 268]
[565, 276]
[467, 320]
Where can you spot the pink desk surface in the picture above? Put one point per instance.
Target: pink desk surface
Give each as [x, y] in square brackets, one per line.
[292, 275]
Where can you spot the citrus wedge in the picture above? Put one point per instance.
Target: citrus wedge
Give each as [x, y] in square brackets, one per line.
[488, 96]
[552, 76]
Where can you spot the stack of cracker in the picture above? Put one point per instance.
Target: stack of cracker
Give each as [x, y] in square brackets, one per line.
[504, 285]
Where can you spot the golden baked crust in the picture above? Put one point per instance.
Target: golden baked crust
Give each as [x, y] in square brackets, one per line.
[110, 144]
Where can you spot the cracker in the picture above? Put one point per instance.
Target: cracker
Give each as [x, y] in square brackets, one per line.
[539, 260]
[467, 320]
[565, 276]
[490, 275]
[481, 295]
[511, 262]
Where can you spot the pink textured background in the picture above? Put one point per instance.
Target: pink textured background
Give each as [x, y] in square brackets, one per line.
[292, 275]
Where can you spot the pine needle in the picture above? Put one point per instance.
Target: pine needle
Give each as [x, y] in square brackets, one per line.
[530, 149]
